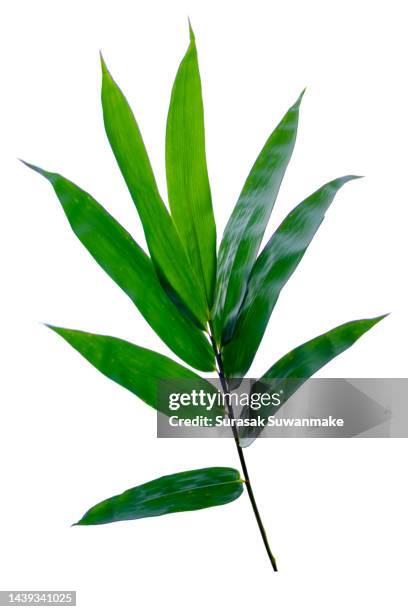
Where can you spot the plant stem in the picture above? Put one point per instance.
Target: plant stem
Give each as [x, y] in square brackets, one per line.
[225, 388]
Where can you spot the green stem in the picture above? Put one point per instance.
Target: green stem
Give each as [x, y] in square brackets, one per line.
[225, 388]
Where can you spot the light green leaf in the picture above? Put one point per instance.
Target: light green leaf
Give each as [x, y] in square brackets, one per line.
[163, 241]
[271, 271]
[246, 226]
[300, 364]
[186, 169]
[181, 492]
[140, 370]
[129, 266]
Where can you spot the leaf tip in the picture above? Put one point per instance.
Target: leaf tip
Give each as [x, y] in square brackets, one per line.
[302, 93]
[105, 71]
[353, 177]
[347, 178]
[190, 30]
[375, 320]
[53, 328]
[31, 166]
[51, 176]
[299, 100]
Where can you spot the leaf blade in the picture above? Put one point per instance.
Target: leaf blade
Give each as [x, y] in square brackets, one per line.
[128, 265]
[181, 492]
[137, 369]
[301, 363]
[186, 171]
[162, 238]
[270, 273]
[246, 226]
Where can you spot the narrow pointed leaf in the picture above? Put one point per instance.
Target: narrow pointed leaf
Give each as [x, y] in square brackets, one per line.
[303, 362]
[129, 266]
[271, 271]
[186, 169]
[163, 241]
[181, 492]
[138, 369]
[246, 226]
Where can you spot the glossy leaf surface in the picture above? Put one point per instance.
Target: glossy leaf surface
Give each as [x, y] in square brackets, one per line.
[165, 246]
[181, 492]
[186, 169]
[246, 226]
[271, 271]
[129, 266]
[304, 361]
[139, 370]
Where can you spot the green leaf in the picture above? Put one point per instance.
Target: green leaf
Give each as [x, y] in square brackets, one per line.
[181, 492]
[271, 271]
[163, 241]
[304, 361]
[186, 168]
[140, 370]
[129, 266]
[246, 226]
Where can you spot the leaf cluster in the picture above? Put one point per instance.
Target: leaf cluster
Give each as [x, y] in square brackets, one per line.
[210, 308]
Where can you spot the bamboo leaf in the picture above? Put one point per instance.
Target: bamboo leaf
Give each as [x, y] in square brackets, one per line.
[129, 266]
[246, 226]
[300, 364]
[163, 241]
[181, 492]
[271, 271]
[139, 370]
[186, 169]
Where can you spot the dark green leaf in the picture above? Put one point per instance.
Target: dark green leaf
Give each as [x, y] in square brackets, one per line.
[304, 361]
[186, 169]
[271, 271]
[139, 370]
[182, 492]
[165, 246]
[129, 266]
[246, 226]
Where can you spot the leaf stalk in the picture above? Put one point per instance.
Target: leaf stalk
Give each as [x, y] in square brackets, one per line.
[247, 480]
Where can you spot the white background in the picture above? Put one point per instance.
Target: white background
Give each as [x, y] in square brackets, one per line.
[335, 510]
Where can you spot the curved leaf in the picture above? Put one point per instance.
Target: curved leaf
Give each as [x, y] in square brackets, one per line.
[139, 370]
[304, 361]
[162, 238]
[181, 492]
[246, 226]
[129, 266]
[271, 271]
[186, 169]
